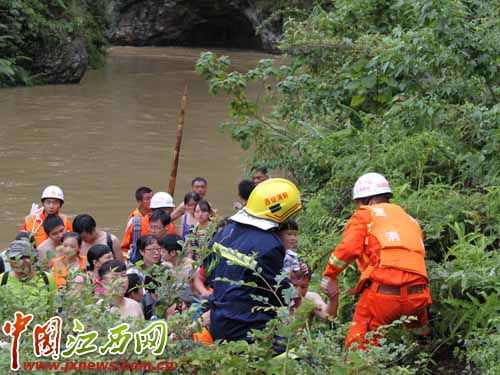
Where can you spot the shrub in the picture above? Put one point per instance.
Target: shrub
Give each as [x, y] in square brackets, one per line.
[405, 88]
[26, 25]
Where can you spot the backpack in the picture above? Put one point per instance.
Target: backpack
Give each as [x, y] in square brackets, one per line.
[134, 252]
[109, 241]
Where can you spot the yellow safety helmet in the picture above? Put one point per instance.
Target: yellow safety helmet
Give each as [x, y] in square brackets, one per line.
[275, 199]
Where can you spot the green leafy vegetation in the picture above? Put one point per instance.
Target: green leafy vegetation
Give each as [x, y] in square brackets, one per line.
[26, 26]
[405, 88]
[408, 89]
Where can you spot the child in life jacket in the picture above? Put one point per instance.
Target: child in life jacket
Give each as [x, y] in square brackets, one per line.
[71, 261]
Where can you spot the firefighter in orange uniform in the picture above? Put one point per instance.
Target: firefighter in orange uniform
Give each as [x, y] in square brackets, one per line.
[387, 245]
[140, 226]
[143, 197]
[52, 201]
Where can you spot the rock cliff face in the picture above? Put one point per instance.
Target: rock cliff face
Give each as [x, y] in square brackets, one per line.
[214, 23]
[63, 63]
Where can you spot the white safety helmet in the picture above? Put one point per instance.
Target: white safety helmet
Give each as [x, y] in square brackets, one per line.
[161, 200]
[370, 184]
[54, 192]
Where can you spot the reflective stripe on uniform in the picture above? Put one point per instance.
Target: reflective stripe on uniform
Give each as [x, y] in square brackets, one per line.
[334, 261]
[235, 256]
[287, 354]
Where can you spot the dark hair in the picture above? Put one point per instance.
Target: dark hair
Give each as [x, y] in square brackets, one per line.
[146, 240]
[134, 283]
[111, 265]
[204, 205]
[245, 188]
[365, 200]
[51, 222]
[139, 193]
[160, 214]
[289, 224]
[143, 242]
[191, 196]
[84, 223]
[199, 179]
[95, 253]
[151, 284]
[73, 235]
[262, 169]
[170, 242]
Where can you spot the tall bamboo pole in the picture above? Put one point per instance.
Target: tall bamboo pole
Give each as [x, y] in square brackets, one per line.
[177, 148]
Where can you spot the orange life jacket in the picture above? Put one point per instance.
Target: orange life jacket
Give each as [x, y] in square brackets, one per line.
[136, 213]
[60, 270]
[133, 226]
[204, 337]
[400, 238]
[34, 224]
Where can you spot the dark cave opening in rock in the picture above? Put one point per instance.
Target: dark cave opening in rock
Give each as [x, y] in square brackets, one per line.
[228, 31]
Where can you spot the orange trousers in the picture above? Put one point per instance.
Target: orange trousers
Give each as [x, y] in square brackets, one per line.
[375, 309]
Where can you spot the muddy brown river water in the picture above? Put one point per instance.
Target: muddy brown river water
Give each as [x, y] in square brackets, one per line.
[113, 132]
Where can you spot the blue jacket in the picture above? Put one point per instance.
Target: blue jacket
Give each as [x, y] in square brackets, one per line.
[231, 316]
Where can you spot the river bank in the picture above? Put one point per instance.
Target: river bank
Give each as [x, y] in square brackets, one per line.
[56, 41]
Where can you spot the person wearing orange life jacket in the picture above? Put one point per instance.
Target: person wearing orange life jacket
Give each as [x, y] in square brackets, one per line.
[140, 226]
[143, 197]
[387, 245]
[71, 260]
[52, 201]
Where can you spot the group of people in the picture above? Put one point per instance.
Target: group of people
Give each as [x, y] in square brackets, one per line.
[229, 267]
